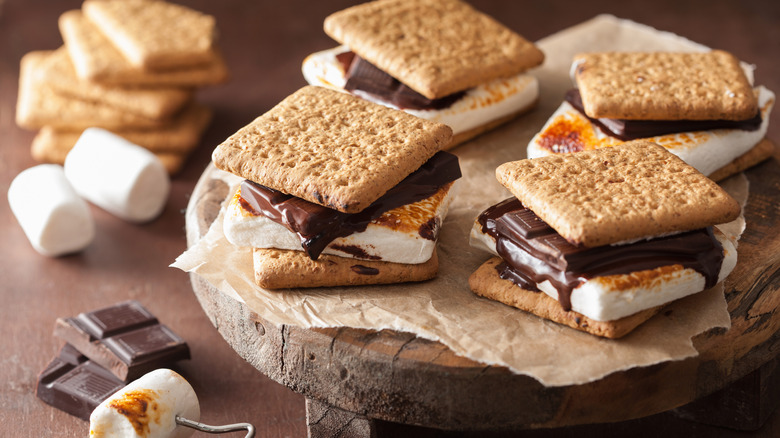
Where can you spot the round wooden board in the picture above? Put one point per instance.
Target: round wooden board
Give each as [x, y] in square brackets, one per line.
[401, 378]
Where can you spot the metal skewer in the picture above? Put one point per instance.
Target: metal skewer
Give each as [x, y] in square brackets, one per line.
[217, 429]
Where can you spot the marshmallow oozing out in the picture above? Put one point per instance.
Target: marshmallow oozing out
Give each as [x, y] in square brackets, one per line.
[54, 218]
[118, 176]
[147, 407]
[393, 237]
[480, 105]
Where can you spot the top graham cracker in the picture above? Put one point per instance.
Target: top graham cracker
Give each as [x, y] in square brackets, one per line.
[331, 148]
[96, 59]
[436, 47]
[664, 86]
[626, 192]
[155, 35]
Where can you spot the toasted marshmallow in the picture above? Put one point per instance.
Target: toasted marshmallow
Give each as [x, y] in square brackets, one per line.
[707, 151]
[118, 176]
[54, 218]
[480, 105]
[405, 234]
[616, 296]
[147, 407]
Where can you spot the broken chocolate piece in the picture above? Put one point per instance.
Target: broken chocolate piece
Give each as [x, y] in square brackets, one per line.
[124, 338]
[74, 384]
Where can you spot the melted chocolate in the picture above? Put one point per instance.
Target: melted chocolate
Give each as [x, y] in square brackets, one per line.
[634, 129]
[364, 270]
[355, 251]
[533, 252]
[317, 226]
[364, 77]
[429, 229]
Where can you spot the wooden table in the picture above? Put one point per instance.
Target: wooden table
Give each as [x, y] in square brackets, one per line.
[264, 43]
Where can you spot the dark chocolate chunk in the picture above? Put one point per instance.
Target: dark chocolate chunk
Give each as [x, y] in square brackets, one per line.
[635, 129]
[124, 338]
[533, 252]
[365, 78]
[74, 384]
[317, 226]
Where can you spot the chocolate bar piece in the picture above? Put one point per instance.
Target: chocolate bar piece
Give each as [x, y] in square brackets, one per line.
[124, 338]
[364, 77]
[533, 252]
[636, 129]
[318, 226]
[74, 384]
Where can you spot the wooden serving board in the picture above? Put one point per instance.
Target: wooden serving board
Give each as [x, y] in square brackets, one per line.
[351, 376]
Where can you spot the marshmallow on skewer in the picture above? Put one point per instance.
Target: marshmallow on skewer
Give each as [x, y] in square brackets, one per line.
[147, 407]
[117, 175]
[54, 218]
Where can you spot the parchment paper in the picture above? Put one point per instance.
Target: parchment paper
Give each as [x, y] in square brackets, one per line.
[444, 309]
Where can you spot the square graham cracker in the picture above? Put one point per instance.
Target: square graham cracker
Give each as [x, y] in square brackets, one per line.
[630, 191]
[40, 105]
[284, 269]
[664, 86]
[486, 282]
[331, 148]
[52, 146]
[152, 102]
[154, 35]
[436, 47]
[96, 59]
[180, 138]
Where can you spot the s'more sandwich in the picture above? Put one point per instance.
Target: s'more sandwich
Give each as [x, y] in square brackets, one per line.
[700, 106]
[600, 240]
[338, 191]
[440, 60]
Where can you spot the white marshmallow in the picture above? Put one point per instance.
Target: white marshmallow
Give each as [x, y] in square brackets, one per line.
[707, 151]
[147, 407]
[393, 237]
[54, 218]
[117, 175]
[480, 105]
[603, 299]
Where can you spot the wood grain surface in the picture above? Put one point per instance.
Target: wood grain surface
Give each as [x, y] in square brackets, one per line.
[264, 44]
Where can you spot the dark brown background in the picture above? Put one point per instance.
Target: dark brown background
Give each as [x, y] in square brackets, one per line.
[264, 43]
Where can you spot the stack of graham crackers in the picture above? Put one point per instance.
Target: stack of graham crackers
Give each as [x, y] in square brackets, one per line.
[129, 66]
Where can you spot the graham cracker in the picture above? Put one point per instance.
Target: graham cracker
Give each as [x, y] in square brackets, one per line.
[154, 103]
[486, 282]
[630, 191]
[436, 47]
[155, 35]
[172, 162]
[758, 153]
[283, 269]
[51, 145]
[38, 105]
[331, 148]
[664, 86]
[96, 59]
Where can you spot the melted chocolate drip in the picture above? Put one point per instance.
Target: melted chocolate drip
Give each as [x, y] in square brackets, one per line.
[317, 226]
[533, 252]
[634, 129]
[364, 77]
[364, 270]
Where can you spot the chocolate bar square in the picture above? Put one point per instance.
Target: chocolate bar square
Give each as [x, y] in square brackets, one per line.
[74, 384]
[124, 338]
